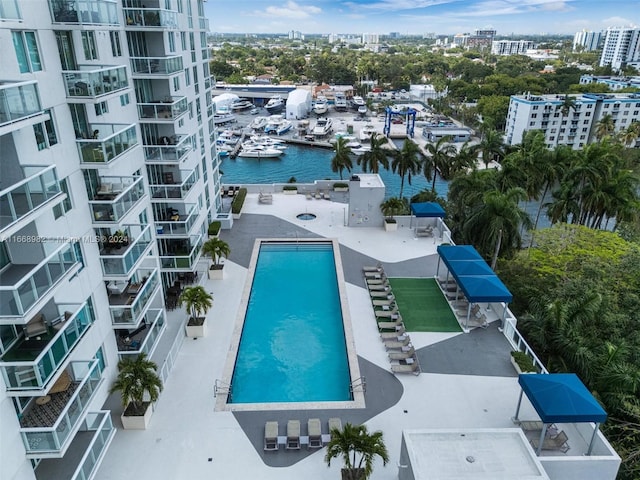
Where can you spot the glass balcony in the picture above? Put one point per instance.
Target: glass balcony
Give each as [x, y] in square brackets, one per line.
[169, 109]
[85, 12]
[176, 149]
[204, 23]
[120, 255]
[156, 65]
[108, 142]
[38, 188]
[144, 338]
[179, 224]
[174, 191]
[18, 100]
[46, 429]
[128, 307]
[181, 255]
[150, 17]
[114, 198]
[9, 10]
[30, 364]
[93, 81]
[22, 285]
[207, 83]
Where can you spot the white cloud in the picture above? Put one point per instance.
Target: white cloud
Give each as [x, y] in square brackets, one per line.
[290, 10]
[616, 22]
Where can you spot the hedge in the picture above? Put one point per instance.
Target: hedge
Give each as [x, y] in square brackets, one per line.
[238, 201]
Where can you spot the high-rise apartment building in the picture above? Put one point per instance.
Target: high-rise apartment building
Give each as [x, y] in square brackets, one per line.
[511, 47]
[587, 40]
[108, 179]
[621, 47]
[368, 38]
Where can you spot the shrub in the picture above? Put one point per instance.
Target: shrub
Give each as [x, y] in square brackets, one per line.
[214, 227]
[290, 187]
[238, 201]
[524, 361]
[340, 185]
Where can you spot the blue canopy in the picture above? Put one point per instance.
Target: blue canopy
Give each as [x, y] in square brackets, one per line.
[458, 252]
[471, 267]
[561, 398]
[427, 209]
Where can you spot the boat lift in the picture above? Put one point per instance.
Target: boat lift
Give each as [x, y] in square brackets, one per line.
[409, 119]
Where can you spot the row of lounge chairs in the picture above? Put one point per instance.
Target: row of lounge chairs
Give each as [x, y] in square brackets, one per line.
[231, 191]
[293, 439]
[461, 305]
[402, 354]
[265, 198]
[318, 195]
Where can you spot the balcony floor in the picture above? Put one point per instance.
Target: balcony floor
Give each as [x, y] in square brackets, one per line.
[20, 204]
[57, 468]
[28, 350]
[38, 416]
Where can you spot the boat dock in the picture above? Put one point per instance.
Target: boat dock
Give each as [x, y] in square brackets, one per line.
[313, 143]
[236, 148]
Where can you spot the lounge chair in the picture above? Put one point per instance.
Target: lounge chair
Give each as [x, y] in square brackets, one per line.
[403, 354]
[380, 293]
[36, 326]
[393, 314]
[318, 196]
[271, 436]
[326, 196]
[315, 433]
[308, 195]
[377, 268]
[398, 330]
[390, 325]
[557, 442]
[265, 198]
[381, 280]
[399, 342]
[378, 274]
[377, 287]
[384, 303]
[293, 435]
[410, 368]
[335, 424]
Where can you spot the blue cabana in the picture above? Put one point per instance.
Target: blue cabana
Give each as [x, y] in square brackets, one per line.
[427, 209]
[561, 398]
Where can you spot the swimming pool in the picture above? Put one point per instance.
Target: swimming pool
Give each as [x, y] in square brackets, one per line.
[294, 346]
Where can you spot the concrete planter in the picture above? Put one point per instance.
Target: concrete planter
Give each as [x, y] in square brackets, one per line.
[216, 273]
[516, 366]
[390, 226]
[341, 189]
[137, 422]
[193, 331]
[290, 192]
[236, 216]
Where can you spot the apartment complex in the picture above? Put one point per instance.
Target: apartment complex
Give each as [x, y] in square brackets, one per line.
[573, 126]
[511, 47]
[621, 47]
[587, 40]
[109, 178]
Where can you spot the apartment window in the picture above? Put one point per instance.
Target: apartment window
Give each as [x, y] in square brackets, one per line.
[183, 41]
[102, 359]
[626, 112]
[124, 99]
[187, 77]
[101, 108]
[26, 47]
[531, 124]
[556, 115]
[588, 114]
[62, 208]
[585, 129]
[176, 83]
[172, 42]
[180, 6]
[116, 49]
[582, 137]
[4, 255]
[89, 45]
[142, 218]
[45, 132]
[636, 112]
[181, 122]
[535, 115]
[78, 251]
[552, 138]
[535, 107]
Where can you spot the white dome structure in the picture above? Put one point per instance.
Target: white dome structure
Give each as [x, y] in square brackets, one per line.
[298, 104]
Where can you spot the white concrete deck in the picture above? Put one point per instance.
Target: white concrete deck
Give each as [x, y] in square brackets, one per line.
[188, 440]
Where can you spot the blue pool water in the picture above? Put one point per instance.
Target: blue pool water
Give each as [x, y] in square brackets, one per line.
[292, 347]
[308, 164]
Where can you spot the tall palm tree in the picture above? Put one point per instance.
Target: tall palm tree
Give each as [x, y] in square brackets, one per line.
[137, 376]
[196, 300]
[372, 160]
[568, 104]
[462, 161]
[491, 146]
[358, 449]
[439, 156]
[342, 158]
[605, 127]
[629, 135]
[406, 162]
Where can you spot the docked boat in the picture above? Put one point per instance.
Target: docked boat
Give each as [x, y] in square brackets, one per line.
[323, 127]
[362, 109]
[321, 106]
[267, 141]
[241, 104]
[358, 102]
[275, 104]
[222, 118]
[259, 152]
[366, 132]
[340, 102]
[258, 123]
[277, 125]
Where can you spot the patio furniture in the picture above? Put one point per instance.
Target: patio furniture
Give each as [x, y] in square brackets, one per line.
[377, 268]
[390, 325]
[271, 436]
[557, 442]
[62, 384]
[335, 424]
[36, 326]
[399, 342]
[293, 435]
[315, 433]
[393, 314]
[404, 353]
[413, 367]
[398, 330]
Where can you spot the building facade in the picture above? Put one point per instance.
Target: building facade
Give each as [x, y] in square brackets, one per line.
[511, 47]
[621, 47]
[574, 126]
[587, 40]
[109, 180]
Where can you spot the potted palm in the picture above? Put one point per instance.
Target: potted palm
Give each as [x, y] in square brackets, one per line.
[390, 208]
[197, 302]
[140, 386]
[216, 249]
[358, 449]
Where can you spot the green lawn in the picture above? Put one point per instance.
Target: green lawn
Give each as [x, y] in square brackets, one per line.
[422, 305]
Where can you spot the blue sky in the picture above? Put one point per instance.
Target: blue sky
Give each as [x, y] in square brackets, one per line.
[419, 16]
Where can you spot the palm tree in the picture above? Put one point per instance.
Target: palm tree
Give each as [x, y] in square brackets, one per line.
[196, 300]
[406, 162]
[629, 135]
[392, 207]
[376, 157]
[440, 155]
[342, 158]
[135, 378]
[358, 449]
[216, 249]
[462, 161]
[491, 146]
[605, 127]
[568, 104]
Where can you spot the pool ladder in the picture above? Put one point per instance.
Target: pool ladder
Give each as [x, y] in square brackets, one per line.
[222, 388]
[358, 385]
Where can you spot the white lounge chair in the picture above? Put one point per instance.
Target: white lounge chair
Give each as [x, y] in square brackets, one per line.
[380, 293]
[411, 368]
[399, 342]
[271, 436]
[377, 268]
[383, 303]
[403, 354]
[335, 424]
[378, 274]
[390, 325]
[557, 442]
[293, 435]
[393, 314]
[398, 330]
[315, 433]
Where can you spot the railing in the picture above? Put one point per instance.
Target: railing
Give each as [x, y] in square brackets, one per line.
[92, 81]
[52, 440]
[23, 197]
[169, 109]
[180, 227]
[121, 260]
[156, 65]
[16, 299]
[180, 261]
[173, 152]
[85, 12]
[130, 314]
[518, 342]
[99, 422]
[175, 191]
[204, 23]
[9, 10]
[151, 17]
[148, 344]
[125, 193]
[34, 374]
[18, 100]
[109, 142]
[172, 356]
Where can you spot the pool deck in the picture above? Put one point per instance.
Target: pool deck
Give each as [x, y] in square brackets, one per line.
[467, 380]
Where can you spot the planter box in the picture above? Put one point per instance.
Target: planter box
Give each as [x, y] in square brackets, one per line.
[138, 422]
[236, 216]
[516, 366]
[216, 273]
[340, 189]
[390, 227]
[214, 236]
[290, 192]
[193, 331]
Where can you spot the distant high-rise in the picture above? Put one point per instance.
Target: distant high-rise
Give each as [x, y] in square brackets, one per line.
[621, 47]
[511, 47]
[370, 38]
[588, 40]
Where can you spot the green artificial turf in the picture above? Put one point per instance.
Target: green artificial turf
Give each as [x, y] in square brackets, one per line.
[422, 305]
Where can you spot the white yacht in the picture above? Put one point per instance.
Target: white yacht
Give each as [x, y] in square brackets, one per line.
[258, 123]
[241, 104]
[275, 104]
[321, 105]
[340, 102]
[366, 132]
[277, 124]
[257, 151]
[323, 127]
[358, 102]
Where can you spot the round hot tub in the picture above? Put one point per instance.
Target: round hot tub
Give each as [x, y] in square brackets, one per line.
[306, 216]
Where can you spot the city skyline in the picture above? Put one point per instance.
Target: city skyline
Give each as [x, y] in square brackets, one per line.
[523, 17]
